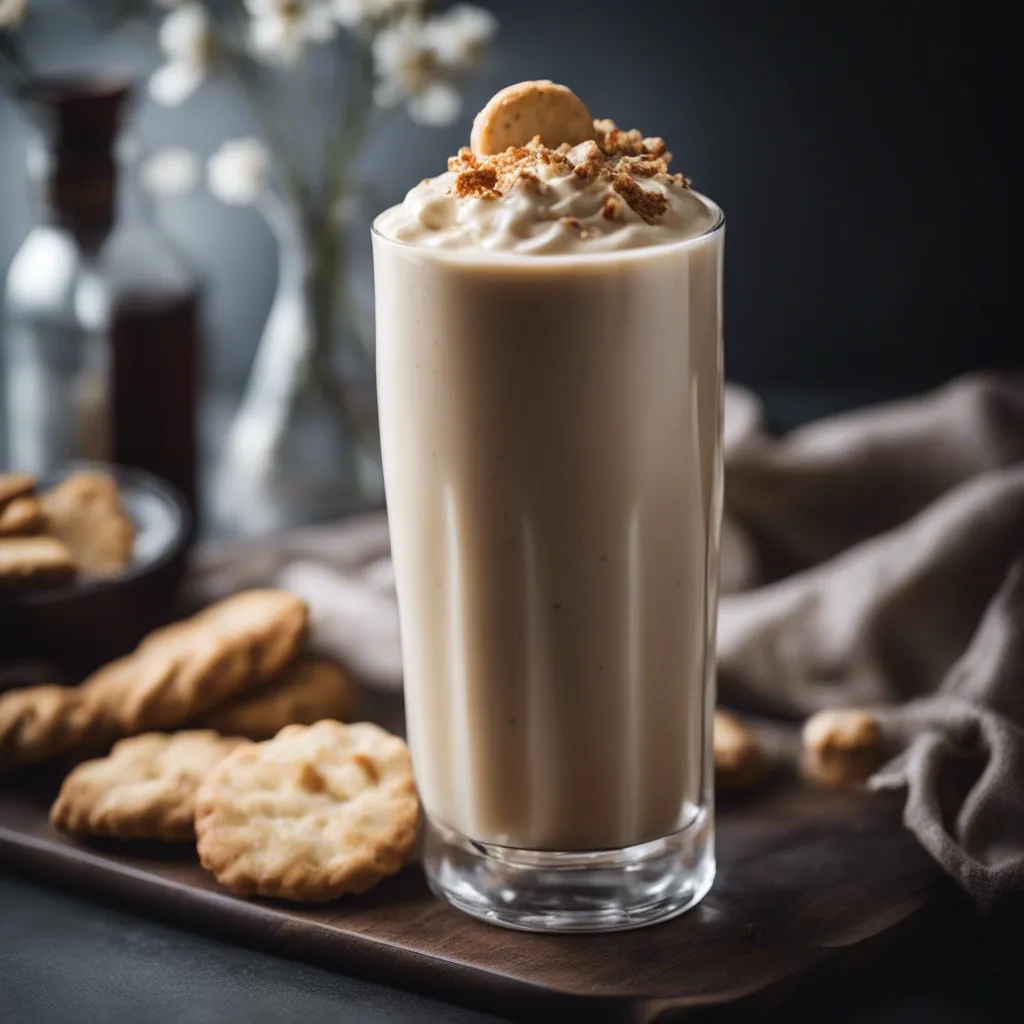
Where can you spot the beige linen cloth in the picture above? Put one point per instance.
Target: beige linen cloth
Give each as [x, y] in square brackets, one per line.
[872, 559]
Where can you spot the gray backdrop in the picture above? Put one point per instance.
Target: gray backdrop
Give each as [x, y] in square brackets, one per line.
[859, 150]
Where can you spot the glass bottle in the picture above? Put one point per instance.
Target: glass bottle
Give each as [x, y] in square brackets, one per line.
[101, 331]
[152, 326]
[54, 346]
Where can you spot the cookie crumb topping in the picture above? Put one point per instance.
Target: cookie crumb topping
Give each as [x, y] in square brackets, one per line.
[578, 225]
[616, 157]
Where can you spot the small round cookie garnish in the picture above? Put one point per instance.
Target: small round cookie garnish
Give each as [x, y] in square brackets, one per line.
[316, 812]
[144, 789]
[739, 762]
[515, 115]
[842, 747]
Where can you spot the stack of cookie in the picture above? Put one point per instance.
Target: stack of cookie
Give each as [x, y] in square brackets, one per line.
[320, 809]
[76, 528]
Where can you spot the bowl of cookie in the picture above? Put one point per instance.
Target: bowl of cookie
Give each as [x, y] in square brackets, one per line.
[90, 560]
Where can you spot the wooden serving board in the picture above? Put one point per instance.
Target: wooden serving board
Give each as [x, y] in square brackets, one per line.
[808, 884]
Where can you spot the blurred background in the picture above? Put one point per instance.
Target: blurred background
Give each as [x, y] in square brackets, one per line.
[860, 151]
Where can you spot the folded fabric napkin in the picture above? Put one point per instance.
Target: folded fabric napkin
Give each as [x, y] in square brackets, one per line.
[872, 559]
[882, 566]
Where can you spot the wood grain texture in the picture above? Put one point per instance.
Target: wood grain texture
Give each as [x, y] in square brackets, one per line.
[809, 883]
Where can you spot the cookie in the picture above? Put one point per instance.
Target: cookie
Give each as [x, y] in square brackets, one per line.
[842, 747]
[275, 622]
[144, 789]
[40, 722]
[175, 674]
[739, 762]
[20, 516]
[15, 485]
[519, 112]
[309, 689]
[316, 812]
[181, 671]
[85, 513]
[34, 562]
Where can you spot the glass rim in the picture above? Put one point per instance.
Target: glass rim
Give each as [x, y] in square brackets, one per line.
[491, 257]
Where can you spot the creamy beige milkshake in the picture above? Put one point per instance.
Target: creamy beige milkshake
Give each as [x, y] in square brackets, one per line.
[549, 368]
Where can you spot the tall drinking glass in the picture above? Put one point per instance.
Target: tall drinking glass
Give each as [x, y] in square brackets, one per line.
[551, 432]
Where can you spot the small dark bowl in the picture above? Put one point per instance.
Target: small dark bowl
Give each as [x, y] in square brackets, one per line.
[80, 626]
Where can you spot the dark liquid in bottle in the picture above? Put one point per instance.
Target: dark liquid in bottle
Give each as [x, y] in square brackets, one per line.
[154, 340]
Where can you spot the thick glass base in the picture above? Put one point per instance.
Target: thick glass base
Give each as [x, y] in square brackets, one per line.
[603, 891]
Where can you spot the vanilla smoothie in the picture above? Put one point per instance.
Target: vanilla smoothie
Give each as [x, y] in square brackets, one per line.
[549, 373]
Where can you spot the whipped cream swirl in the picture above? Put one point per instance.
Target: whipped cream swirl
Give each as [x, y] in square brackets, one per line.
[542, 202]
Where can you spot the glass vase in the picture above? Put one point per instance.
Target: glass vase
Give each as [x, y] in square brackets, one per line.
[303, 445]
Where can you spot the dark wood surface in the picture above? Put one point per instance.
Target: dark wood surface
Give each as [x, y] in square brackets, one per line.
[809, 885]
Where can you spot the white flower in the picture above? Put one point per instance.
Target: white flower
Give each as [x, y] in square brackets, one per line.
[187, 40]
[356, 13]
[436, 105]
[12, 13]
[280, 29]
[170, 171]
[409, 71]
[460, 35]
[237, 172]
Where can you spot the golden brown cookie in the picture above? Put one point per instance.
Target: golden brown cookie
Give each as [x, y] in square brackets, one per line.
[144, 789]
[175, 673]
[739, 762]
[21, 516]
[513, 116]
[842, 747]
[84, 511]
[15, 485]
[311, 688]
[40, 722]
[34, 562]
[182, 670]
[316, 812]
[274, 621]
